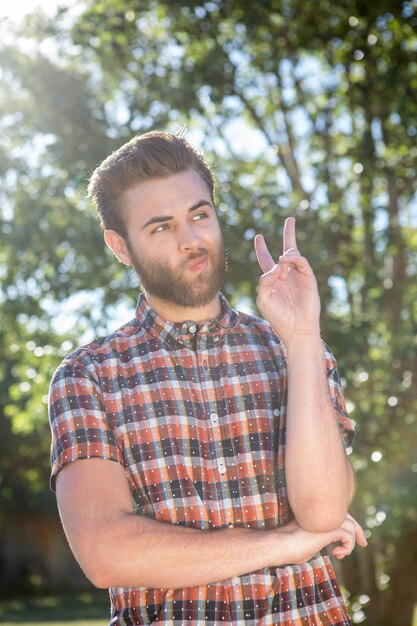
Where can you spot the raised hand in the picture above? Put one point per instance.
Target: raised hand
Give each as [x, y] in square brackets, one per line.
[287, 296]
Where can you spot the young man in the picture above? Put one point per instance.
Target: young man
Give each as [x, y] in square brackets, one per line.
[198, 455]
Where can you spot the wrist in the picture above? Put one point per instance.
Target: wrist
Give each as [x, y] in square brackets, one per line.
[284, 543]
[303, 341]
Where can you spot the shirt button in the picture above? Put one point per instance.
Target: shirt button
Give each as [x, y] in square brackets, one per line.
[277, 412]
[222, 469]
[192, 328]
[214, 417]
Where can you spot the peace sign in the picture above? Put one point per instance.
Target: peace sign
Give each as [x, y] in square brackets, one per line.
[288, 295]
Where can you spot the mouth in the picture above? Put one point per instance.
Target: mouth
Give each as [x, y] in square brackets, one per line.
[199, 264]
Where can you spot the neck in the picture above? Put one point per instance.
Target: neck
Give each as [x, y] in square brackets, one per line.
[174, 313]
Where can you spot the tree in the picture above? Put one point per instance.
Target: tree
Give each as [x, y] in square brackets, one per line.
[305, 109]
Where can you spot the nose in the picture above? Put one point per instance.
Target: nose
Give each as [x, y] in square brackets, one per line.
[188, 238]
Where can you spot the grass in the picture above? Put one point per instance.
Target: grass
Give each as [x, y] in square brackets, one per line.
[82, 609]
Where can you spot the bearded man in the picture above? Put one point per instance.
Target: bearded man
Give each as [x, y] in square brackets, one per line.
[198, 453]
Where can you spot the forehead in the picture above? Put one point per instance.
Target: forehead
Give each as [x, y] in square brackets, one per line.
[160, 196]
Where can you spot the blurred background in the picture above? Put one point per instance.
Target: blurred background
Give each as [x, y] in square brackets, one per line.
[303, 108]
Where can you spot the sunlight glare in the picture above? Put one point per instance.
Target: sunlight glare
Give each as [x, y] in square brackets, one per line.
[17, 10]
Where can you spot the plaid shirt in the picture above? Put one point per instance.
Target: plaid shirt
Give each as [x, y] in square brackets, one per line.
[196, 416]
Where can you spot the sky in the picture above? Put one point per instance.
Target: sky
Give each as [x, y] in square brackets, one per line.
[16, 9]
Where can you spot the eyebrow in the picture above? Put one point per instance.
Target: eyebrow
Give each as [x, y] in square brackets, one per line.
[158, 219]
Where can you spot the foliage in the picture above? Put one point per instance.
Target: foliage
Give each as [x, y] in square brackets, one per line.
[82, 609]
[304, 108]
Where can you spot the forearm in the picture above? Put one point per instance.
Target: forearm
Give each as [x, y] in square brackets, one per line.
[117, 548]
[318, 472]
[139, 552]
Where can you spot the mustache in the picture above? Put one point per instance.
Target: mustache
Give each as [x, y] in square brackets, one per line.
[197, 254]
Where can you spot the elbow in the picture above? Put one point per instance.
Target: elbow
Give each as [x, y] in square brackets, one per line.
[324, 511]
[98, 577]
[98, 565]
[321, 523]
[317, 518]
[99, 583]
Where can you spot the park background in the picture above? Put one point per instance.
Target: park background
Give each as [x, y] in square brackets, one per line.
[303, 108]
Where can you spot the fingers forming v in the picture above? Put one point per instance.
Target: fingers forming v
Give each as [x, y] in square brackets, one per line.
[289, 240]
[263, 255]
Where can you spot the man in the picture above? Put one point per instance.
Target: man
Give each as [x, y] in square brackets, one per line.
[198, 454]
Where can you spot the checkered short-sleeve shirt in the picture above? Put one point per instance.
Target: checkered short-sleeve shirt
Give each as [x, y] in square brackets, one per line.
[196, 417]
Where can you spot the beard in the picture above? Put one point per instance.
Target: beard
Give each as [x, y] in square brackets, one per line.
[171, 285]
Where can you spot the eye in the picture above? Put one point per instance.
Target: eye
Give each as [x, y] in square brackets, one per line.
[200, 216]
[160, 228]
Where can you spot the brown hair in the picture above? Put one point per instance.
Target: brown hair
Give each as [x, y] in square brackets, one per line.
[153, 155]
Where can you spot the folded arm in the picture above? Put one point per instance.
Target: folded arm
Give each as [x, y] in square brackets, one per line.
[116, 547]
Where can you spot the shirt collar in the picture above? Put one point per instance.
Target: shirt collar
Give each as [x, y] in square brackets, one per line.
[177, 331]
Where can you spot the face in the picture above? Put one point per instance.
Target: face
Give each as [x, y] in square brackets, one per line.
[174, 240]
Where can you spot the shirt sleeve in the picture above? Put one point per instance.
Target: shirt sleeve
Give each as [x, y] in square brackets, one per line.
[79, 425]
[347, 430]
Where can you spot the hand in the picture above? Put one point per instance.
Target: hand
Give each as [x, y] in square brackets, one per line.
[302, 545]
[288, 296]
[352, 525]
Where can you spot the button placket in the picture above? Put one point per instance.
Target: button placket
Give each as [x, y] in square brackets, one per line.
[205, 350]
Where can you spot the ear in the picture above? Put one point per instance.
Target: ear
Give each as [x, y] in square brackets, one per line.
[118, 246]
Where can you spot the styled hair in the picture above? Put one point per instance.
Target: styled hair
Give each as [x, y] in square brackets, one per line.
[155, 154]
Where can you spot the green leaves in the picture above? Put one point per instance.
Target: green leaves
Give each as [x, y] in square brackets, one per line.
[303, 108]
